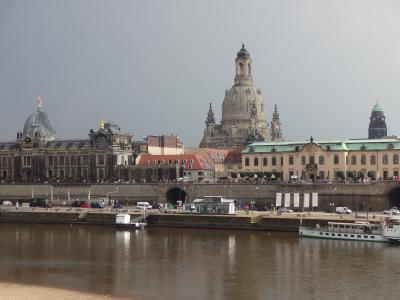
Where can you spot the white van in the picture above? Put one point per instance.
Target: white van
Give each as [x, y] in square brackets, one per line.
[143, 205]
[343, 210]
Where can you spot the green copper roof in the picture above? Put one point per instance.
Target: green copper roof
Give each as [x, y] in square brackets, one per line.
[377, 107]
[347, 145]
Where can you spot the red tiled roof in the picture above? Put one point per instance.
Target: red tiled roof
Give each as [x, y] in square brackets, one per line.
[234, 156]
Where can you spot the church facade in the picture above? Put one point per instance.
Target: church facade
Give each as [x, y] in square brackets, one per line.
[243, 113]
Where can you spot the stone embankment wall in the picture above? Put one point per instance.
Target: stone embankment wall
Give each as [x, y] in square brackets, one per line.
[51, 217]
[230, 222]
[160, 220]
[373, 196]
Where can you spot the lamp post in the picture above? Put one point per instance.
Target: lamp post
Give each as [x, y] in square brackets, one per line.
[113, 192]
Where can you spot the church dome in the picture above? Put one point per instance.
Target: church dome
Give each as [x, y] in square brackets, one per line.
[39, 125]
[238, 101]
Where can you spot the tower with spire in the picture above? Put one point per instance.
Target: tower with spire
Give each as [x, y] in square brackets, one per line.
[276, 130]
[377, 125]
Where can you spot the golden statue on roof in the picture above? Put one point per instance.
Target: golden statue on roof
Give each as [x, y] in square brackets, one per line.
[39, 101]
[102, 122]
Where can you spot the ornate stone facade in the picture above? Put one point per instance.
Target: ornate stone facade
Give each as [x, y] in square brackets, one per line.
[37, 154]
[243, 111]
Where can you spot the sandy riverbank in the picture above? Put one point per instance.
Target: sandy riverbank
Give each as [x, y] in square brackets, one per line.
[12, 291]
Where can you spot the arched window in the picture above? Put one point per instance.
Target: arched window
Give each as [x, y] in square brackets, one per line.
[265, 161]
[385, 159]
[241, 71]
[249, 69]
[395, 159]
[363, 159]
[353, 160]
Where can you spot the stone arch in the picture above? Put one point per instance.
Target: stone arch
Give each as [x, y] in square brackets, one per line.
[394, 197]
[175, 194]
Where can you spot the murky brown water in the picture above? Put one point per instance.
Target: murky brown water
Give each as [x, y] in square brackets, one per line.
[161, 263]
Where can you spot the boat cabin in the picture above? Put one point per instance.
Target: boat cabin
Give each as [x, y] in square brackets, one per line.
[356, 228]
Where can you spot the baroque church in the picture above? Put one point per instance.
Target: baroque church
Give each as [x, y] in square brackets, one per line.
[243, 113]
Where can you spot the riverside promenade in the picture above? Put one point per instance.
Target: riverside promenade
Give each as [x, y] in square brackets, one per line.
[253, 220]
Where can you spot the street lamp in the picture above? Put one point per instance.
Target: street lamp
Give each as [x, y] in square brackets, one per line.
[113, 192]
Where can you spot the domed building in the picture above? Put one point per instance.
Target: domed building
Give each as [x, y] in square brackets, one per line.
[243, 111]
[37, 154]
[39, 125]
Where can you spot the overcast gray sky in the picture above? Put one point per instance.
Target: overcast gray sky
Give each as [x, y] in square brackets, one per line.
[153, 66]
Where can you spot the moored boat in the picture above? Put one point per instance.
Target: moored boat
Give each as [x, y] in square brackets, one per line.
[386, 231]
[124, 221]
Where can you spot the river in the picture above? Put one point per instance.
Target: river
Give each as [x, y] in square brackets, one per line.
[174, 263]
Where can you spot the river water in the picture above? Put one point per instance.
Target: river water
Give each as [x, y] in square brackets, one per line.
[169, 263]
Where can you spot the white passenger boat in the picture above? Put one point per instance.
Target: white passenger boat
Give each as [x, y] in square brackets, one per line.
[386, 231]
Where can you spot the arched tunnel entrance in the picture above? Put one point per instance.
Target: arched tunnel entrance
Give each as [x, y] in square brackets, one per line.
[394, 197]
[174, 195]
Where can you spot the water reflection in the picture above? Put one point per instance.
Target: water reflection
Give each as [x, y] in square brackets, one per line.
[197, 264]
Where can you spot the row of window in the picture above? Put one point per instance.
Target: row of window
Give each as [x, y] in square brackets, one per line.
[73, 174]
[73, 160]
[169, 162]
[372, 159]
[321, 160]
[311, 160]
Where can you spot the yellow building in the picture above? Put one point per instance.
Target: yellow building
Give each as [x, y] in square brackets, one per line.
[323, 160]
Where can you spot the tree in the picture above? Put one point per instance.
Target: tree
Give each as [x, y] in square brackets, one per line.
[371, 174]
[339, 174]
[351, 174]
[260, 175]
[234, 175]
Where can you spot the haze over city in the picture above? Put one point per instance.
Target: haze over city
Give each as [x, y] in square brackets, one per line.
[153, 66]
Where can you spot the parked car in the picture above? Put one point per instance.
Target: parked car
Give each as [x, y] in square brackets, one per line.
[85, 205]
[343, 210]
[117, 205]
[96, 205]
[39, 202]
[285, 210]
[78, 203]
[391, 211]
[143, 205]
